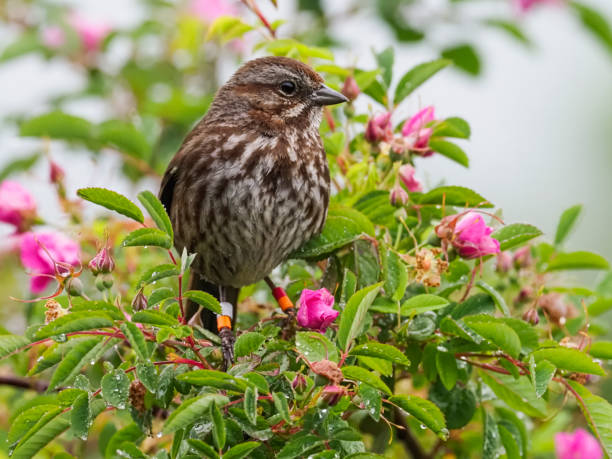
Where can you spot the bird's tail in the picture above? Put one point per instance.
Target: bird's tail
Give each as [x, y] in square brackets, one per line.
[209, 318]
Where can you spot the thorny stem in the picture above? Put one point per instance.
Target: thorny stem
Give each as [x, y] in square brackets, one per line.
[250, 4]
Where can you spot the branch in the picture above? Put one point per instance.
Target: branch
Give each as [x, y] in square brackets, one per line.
[410, 442]
[24, 383]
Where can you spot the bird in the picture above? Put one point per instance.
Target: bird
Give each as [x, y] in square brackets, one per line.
[250, 183]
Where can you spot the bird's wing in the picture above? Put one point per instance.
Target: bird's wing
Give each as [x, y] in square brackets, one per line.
[166, 191]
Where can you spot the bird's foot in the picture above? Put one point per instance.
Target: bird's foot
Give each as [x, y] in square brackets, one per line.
[227, 347]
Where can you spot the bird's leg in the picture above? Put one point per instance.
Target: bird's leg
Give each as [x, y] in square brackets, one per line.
[286, 305]
[224, 327]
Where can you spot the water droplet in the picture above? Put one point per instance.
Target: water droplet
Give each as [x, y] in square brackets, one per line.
[92, 362]
[423, 426]
[121, 406]
[159, 435]
[39, 358]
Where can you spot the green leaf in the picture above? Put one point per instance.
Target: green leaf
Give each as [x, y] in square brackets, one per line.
[241, 450]
[315, 347]
[598, 414]
[452, 127]
[458, 405]
[154, 317]
[213, 378]
[527, 333]
[219, 431]
[79, 416]
[281, 405]
[491, 441]
[416, 77]
[41, 434]
[26, 42]
[595, 22]
[203, 448]
[453, 196]
[395, 274]
[258, 381]
[158, 272]
[147, 236]
[510, 28]
[136, 339]
[11, 343]
[80, 304]
[380, 351]
[481, 303]
[147, 374]
[81, 354]
[112, 201]
[247, 343]
[130, 433]
[363, 375]
[498, 333]
[191, 410]
[354, 314]
[447, 369]
[58, 125]
[509, 442]
[250, 404]
[544, 372]
[569, 359]
[115, 388]
[518, 394]
[18, 165]
[566, 223]
[601, 350]
[450, 150]
[422, 303]
[465, 57]
[299, 445]
[74, 322]
[385, 61]
[204, 299]
[514, 235]
[495, 295]
[343, 226]
[424, 411]
[577, 260]
[125, 138]
[22, 424]
[599, 306]
[157, 212]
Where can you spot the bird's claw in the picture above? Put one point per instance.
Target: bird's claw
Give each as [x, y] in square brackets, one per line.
[227, 347]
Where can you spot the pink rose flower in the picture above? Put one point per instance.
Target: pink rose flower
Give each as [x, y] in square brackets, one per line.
[415, 129]
[53, 37]
[577, 445]
[406, 175]
[526, 5]
[379, 128]
[209, 10]
[91, 33]
[316, 310]
[40, 252]
[17, 206]
[472, 237]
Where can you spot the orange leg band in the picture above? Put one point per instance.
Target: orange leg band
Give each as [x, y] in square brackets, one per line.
[282, 299]
[224, 322]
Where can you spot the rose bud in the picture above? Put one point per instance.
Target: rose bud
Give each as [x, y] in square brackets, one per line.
[406, 175]
[556, 308]
[299, 382]
[53, 37]
[90, 33]
[504, 262]
[525, 294]
[472, 237]
[531, 316]
[398, 196]
[102, 263]
[350, 88]
[332, 394]
[379, 128]
[522, 257]
[56, 173]
[139, 302]
[316, 309]
[17, 206]
[415, 130]
[74, 286]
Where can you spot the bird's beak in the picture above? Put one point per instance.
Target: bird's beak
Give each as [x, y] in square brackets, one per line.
[327, 96]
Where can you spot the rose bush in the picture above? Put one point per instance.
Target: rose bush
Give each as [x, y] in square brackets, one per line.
[426, 323]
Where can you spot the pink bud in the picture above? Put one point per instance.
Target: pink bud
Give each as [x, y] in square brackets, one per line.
[91, 33]
[102, 263]
[415, 129]
[209, 10]
[379, 128]
[398, 196]
[579, 444]
[299, 382]
[406, 175]
[525, 294]
[350, 88]
[526, 5]
[522, 257]
[332, 394]
[531, 316]
[504, 261]
[17, 206]
[53, 37]
[56, 173]
[316, 309]
[472, 237]
[139, 302]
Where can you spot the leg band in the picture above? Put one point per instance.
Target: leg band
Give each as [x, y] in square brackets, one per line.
[282, 299]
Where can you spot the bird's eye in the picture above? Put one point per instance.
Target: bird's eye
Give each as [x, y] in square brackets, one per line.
[287, 87]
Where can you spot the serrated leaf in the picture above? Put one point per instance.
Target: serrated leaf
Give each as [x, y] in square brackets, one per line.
[191, 410]
[601, 350]
[203, 448]
[124, 137]
[416, 76]
[81, 354]
[158, 272]
[514, 235]
[299, 446]
[80, 304]
[577, 260]
[11, 343]
[518, 394]
[159, 295]
[452, 127]
[491, 441]
[115, 388]
[372, 400]
[157, 212]
[527, 333]
[458, 405]
[495, 295]
[219, 431]
[130, 433]
[281, 405]
[315, 346]
[241, 450]
[250, 404]
[28, 418]
[204, 299]
[18, 165]
[544, 371]
[446, 365]
[58, 125]
[354, 314]
[453, 196]
[136, 339]
[395, 274]
[40, 435]
[213, 378]
[247, 343]
[498, 333]
[566, 223]
[569, 359]
[79, 416]
[154, 317]
[423, 410]
[74, 322]
[509, 442]
[362, 375]
[385, 61]
[112, 201]
[481, 303]
[380, 351]
[144, 237]
[450, 150]
[422, 303]
[465, 57]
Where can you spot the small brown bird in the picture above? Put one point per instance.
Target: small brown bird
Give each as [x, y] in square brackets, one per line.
[250, 183]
